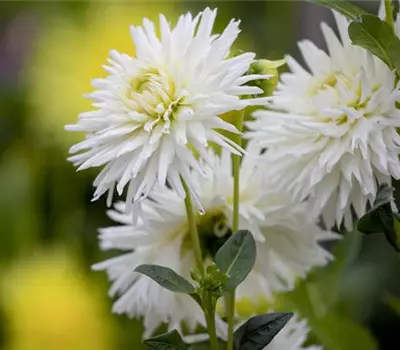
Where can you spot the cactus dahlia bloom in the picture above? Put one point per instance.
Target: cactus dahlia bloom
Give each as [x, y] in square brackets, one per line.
[331, 130]
[153, 110]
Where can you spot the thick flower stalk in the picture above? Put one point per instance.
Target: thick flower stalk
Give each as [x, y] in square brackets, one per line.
[153, 110]
[331, 132]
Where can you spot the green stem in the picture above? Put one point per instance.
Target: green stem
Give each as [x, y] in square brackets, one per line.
[194, 236]
[389, 20]
[236, 173]
[230, 313]
[389, 12]
[230, 299]
[209, 312]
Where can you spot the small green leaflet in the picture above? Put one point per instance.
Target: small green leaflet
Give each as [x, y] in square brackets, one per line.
[381, 219]
[236, 258]
[259, 331]
[166, 278]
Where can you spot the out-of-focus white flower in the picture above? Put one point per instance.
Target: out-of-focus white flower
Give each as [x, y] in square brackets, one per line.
[331, 134]
[287, 236]
[287, 241]
[154, 109]
[292, 337]
[160, 237]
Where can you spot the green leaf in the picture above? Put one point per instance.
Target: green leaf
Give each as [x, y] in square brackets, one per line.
[166, 278]
[259, 331]
[376, 36]
[371, 222]
[345, 8]
[167, 341]
[391, 227]
[236, 258]
[396, 218]
[381, 219]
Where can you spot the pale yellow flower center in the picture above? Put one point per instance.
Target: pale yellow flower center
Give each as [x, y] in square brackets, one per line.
[153, 94]
[338, 81]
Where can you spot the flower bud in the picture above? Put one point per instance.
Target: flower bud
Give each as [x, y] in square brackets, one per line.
[196, 275]
[266, 67]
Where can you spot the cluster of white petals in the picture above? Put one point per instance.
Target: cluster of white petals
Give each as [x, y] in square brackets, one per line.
[327, 139]
[331, 130]
[287, 234]
[159, 237]
[287, 241]
[154, 109]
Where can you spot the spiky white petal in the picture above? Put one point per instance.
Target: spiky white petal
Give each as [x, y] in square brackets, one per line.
[152, 107]
[331, 134]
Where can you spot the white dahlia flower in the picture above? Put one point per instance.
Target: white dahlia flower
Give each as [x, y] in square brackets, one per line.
[287, 241]
[331, 134]
[154, 109]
